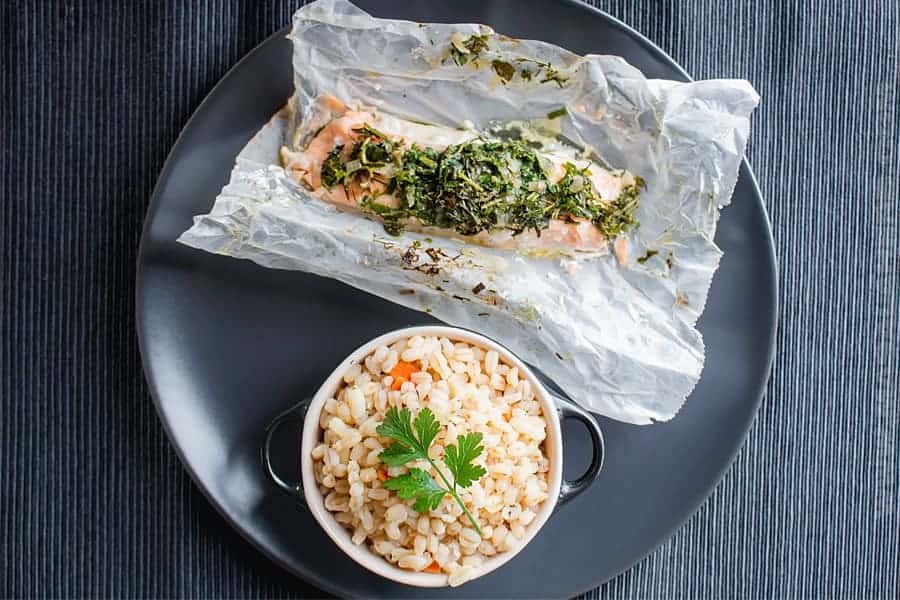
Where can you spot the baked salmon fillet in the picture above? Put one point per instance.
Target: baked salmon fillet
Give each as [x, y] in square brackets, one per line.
[501, 189]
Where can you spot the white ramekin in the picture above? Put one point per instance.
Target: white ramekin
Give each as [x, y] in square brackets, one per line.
[555, 409]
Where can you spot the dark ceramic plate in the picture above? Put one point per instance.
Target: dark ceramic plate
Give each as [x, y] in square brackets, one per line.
[227, 344]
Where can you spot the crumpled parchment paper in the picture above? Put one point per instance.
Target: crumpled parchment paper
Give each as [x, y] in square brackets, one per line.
[618, 338]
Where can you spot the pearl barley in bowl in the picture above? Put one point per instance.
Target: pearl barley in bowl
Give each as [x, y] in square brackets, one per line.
[467, 389]
[432, 456]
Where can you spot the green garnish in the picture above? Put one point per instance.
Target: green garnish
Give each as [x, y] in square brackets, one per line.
[419, 485]
[369, 131]
[392, 217]
[555, 114]
[476, 186]
[369, 155]
[544, 70]
[618, 215]
[470, 47]
[503, 69]
[553, 74]
[647, 256]
[412, 438]
[463, 50]
[333, 171]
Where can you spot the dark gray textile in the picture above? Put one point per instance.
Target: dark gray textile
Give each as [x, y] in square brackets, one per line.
[93, 501]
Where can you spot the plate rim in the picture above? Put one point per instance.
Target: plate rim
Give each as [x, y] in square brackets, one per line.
[301, 571]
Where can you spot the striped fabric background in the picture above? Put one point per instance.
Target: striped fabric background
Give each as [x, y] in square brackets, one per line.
[93, 501]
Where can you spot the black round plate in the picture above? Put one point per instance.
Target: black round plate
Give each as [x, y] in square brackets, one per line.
[227, 344]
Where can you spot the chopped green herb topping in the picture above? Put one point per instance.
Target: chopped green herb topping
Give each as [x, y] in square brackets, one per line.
[392, 217]
[472, 187]
[545, 71]
[369, 155]
[555, 114]
[464, 49]
[468, 49]
[552, 74]
[503, 69]
[333, 172]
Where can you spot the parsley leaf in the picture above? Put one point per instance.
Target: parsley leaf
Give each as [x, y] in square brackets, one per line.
[459, 459]
[409, 446]
[418, 485]
[427, 427]
[412, 438]
[397, 425]
[397, 455]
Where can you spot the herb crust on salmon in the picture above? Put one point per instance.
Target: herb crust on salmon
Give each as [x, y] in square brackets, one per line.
[497, 191]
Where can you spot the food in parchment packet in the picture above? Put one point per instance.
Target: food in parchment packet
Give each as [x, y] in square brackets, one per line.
[508, 187]
[595, 272]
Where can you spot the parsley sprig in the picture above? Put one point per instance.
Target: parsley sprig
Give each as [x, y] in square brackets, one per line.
[412, 439]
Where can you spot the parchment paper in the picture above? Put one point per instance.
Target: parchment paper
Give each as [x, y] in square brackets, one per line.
[618, 338]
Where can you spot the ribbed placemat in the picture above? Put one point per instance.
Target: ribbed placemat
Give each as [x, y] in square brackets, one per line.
[93, 501]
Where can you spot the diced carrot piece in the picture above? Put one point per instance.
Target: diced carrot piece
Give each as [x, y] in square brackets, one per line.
[398, 383]
[434, 567]
[382, 475]
[403, 370]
